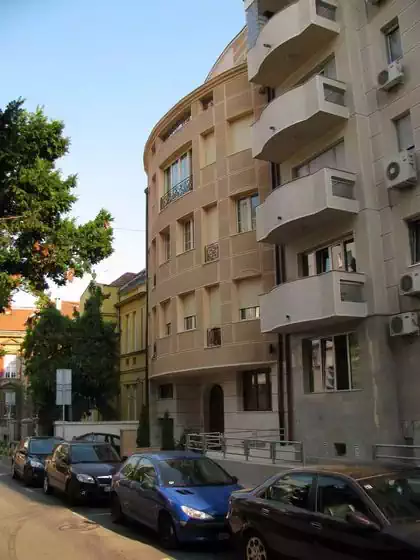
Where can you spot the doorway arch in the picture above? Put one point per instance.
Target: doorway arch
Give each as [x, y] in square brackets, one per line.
[216, 410]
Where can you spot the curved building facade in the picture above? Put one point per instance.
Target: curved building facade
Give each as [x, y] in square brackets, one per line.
[210, 366]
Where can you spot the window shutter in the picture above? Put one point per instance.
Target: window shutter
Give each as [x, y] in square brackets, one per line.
[212, 225]
[188, 302]
[248, 292]
[240, 134]
[208, 149]
[214, 306]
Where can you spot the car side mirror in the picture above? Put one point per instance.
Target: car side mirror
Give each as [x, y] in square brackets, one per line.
[361, 521]
[235, 480]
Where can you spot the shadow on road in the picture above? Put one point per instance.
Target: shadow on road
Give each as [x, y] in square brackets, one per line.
[99, 514]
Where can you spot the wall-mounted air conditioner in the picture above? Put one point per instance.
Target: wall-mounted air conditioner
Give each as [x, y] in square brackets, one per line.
[401, 170]
[391, 76]
[404, 324]
[410, 283]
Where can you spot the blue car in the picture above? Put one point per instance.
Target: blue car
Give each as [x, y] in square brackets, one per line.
[181, 495]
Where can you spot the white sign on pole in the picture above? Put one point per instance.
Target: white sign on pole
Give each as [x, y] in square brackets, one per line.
[63, 386]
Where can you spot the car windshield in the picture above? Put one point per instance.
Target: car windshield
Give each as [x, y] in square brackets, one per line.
[192, 472]
[91, 453]
[396, 494]
[42, 446]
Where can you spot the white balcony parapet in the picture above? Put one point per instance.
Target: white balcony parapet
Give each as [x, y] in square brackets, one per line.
[299, 117]
[305, 204]
[290, 38]
[314, 301]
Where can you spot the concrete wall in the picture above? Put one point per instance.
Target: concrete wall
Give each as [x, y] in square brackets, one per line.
[73, 429]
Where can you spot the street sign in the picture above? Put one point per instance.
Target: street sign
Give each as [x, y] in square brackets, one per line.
[63, 387]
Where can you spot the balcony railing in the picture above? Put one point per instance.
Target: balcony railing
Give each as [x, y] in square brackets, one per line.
[176, 192]
[214, 337]
[211, 252]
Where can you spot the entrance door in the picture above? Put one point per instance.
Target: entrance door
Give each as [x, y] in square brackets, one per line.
[216, 410]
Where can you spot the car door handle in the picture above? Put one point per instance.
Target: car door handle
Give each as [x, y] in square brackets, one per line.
[316, 525]
[265, 511]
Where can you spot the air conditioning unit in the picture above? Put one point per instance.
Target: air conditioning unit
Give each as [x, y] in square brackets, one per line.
[404, 324]
[410, 283]
[401, 170]
[391, 76]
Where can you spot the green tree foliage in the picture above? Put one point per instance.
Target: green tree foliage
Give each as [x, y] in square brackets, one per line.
[87, 345]
[38, 241]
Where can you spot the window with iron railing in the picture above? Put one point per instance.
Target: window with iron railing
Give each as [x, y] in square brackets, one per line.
[177, 179]
[249, 313]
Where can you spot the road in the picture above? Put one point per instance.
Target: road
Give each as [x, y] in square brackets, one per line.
[41, 527]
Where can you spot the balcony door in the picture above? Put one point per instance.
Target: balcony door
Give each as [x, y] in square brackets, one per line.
[216, 410]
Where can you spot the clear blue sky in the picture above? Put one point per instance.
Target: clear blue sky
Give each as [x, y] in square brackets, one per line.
[110, 69]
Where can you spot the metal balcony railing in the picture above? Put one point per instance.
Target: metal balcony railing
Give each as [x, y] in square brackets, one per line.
[211, 252]
[176, 192]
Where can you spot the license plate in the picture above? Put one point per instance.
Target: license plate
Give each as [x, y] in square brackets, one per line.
[223, 536]
[107, 488]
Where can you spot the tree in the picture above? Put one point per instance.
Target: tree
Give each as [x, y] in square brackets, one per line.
[46, 348]
[87, 345]
[95, 358]
[38, 241]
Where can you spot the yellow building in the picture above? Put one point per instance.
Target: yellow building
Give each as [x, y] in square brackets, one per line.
[132, 321]
[110, 304]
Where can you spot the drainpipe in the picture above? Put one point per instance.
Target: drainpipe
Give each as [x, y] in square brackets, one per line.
[280, 356]
[289, 388]
[146, 373]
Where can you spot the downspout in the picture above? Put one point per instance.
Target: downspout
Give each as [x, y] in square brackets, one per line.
[146, 373]
[280, 359]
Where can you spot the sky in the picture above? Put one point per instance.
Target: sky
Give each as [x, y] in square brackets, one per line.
[110, 69]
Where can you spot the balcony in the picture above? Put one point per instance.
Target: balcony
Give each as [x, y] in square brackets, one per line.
[299, 117]
[305, 204]
[176, 192]
[290, 38]
[313, 302]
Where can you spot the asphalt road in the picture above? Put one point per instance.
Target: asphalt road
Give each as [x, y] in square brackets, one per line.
[38, 527]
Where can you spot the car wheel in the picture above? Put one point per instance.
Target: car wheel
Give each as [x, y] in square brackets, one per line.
[117, 515]
[27, 477]
[255, 548]
[47, 488]
[167, 533]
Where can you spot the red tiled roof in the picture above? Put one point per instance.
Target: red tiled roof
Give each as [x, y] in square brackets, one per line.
[122, 280]
[15, 319]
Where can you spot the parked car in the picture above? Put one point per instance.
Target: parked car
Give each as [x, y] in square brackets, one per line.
[339, 513]
[28, 459]
[81, 470]
[96, 437]
[181, 495]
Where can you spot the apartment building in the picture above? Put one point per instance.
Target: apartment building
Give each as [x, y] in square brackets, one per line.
[340, 130]
[210, 366]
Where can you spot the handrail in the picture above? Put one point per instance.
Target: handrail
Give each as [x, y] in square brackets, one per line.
[181, 188]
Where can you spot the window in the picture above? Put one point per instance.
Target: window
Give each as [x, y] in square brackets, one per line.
[256, 391]
[178, 172]
[211, 224]
[326, 10]
[165, 315]
[166, 391]
[336, 498]
[393, 42]
[11, 364]
[240, 134]
[331, 364]
[188, 312]
[130, 466]
[131, 401]
[145, 474]
[333, 158]
[275, 175]
[127, 334]
[208, 148]
[188, 234]
[165, 237]
[134, 344]
[207, 101]
[329, 69]
[414, 232]
[292, 490]
[246, 213]
[405, 134]
[340, 256]
[248, 291]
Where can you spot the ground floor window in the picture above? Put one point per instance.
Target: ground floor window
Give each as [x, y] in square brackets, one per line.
[331, 363]
[256, 390]
[166, 391]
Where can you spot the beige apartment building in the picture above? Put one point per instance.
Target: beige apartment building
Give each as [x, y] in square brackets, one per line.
[210, 367]
[340, 130]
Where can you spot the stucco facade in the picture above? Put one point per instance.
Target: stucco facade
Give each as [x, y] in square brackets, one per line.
[345, 235]
[206, 269]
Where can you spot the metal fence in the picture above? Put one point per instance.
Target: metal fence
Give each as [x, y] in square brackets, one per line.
[391, 452]
[243, 443]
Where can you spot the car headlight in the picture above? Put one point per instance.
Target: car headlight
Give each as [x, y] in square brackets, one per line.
[85, 478]
[35, 464]
[196, 514]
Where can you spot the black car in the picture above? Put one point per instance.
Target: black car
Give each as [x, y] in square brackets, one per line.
[97, 437]
[29, 457]
[82, 471]
[337, 513]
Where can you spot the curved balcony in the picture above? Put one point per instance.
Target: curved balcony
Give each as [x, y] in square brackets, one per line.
[299, 117]
[318, 301]
[290, 38]
[306, 204]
